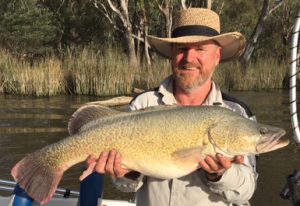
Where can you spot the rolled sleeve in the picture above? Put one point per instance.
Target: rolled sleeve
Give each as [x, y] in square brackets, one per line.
[237, 184]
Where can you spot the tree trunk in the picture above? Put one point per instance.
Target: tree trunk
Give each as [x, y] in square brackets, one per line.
[183, 4]
[137, 26]
[255, 34]
[245, 58]
[205, 4]
[199, 3]
[121, 10]
[208, 3]
[166, 9]
[146, 44]
[132, 57]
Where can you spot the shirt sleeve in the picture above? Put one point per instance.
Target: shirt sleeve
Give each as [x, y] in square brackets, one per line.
[238, 183]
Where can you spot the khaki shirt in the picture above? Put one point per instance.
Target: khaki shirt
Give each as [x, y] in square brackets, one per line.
[236, 185]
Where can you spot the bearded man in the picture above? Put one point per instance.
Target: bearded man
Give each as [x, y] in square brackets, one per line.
[196, 48]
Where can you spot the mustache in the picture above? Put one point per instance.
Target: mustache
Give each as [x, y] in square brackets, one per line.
[187, 65]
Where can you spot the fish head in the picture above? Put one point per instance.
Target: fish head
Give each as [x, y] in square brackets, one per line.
[270, 138]
[242, 136]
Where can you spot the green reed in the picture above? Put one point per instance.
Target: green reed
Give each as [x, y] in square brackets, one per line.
[109, 73]
[264, 74]
[90, 72]
[98, 74]
[20, 77]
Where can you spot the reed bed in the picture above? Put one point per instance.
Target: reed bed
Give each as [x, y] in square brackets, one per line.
[20, 77]
[149, 76]
[263, 75]
[90, 72]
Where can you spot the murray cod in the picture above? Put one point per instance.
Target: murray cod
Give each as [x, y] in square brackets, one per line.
[166, 142]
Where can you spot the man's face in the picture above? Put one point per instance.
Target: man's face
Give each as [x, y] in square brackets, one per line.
[194, 64]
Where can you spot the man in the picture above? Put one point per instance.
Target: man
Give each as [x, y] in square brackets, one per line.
[195, 49]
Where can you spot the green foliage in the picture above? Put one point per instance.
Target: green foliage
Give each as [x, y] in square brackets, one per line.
[28, 31]
[264, 74]
[238, 15]
[36, 28]
[81, 22]
[276, 37]
[242, 16]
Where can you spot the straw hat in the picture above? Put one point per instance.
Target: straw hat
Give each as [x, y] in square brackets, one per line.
[197, 25]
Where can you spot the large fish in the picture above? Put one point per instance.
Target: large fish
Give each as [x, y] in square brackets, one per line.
[167, 142]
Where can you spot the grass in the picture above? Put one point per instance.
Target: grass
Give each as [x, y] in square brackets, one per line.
[22, 78]
[89, 72]
[263, 75]
[97, 74]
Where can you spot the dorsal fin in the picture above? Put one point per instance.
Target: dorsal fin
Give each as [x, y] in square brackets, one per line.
[86, 114]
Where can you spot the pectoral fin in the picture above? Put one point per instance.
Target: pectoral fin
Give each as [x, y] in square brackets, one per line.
[188, 158]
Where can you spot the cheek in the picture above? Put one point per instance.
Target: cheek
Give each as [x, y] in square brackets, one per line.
[203, 57]
[178, 58]
[208, 61]
[207, 58]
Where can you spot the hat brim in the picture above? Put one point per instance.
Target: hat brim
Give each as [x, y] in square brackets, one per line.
[233, 44]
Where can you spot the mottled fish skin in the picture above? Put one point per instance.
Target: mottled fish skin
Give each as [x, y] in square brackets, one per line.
[167, 142]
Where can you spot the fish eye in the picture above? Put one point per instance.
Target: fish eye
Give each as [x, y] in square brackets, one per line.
[263, 130]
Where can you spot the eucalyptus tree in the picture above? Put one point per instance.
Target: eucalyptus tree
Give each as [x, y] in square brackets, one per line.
[115, 10]
[166, 8]
[134, 19]
[278, 31]
[249, 18]
[266, 11]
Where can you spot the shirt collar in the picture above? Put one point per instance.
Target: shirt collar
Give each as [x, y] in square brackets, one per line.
[214, 97]
[166, 90]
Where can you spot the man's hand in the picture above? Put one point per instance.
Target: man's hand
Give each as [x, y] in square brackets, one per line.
[215, 167]
[106, 163]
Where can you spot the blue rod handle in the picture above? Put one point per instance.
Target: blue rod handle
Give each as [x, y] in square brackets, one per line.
[21, 197]
[91, 189]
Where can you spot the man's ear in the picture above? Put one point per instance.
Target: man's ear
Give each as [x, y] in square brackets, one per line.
[218, 56]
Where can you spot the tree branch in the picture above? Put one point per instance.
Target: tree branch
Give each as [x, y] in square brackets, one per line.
[113, 7]
[117, 11]
[124, 7]
[161, 9]
[279, 3]
[183, 4]
[104, 11]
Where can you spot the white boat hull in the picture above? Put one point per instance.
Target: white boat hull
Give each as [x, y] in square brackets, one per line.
[6, 201]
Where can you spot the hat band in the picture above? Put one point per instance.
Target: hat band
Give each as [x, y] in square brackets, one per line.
[192, 30]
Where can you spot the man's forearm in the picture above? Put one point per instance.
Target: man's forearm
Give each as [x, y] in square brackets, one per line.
[237, 184]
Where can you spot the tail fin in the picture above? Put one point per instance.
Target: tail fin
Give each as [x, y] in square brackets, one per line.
[37, 177]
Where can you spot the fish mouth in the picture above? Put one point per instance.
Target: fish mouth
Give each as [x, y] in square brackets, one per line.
[272, 141]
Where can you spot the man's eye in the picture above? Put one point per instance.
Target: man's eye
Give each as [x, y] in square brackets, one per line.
[181, 50]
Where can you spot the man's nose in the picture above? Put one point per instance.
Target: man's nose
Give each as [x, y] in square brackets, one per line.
[190, 55]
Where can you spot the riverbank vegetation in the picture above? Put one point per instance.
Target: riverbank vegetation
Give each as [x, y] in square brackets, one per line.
[86, 72]
[98, 47]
